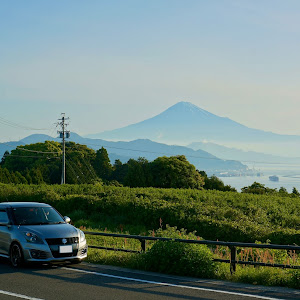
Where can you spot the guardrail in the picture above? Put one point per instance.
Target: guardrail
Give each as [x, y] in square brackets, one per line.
[231, 245]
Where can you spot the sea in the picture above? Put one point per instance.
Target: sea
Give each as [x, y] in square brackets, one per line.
[286, 181]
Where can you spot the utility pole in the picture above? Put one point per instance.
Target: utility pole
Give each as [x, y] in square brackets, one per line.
[63, 134]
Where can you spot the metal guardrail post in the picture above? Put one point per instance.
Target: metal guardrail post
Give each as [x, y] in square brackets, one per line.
[232, 259]
[143, 245]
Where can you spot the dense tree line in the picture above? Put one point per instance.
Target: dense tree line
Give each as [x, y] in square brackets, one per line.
[260, 189]
[214, 183]
[41, 163]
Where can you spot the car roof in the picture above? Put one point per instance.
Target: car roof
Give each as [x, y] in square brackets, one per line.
[23, 204]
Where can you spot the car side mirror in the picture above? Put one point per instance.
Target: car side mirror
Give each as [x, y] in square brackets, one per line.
[67, 219]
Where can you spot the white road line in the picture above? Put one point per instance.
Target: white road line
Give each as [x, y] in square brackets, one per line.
[18, 295]
[170, 284]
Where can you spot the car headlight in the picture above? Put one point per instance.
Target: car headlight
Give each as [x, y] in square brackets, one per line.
[32, 238]
[82, 236]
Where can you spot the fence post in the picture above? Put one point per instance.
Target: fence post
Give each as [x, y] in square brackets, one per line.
[232, 259]
[143, 245]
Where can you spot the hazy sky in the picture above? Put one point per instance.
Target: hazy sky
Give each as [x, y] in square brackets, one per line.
[107, 64]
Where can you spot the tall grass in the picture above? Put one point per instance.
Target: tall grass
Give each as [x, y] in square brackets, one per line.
[193, 260]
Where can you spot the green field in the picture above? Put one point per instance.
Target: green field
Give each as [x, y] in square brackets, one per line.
[226, 216]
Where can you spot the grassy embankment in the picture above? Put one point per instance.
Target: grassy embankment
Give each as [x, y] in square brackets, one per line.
[213, 215]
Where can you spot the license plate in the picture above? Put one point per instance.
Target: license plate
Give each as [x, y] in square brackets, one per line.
[65, 249]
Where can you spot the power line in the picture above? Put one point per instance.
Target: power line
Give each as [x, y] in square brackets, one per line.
[31, 156]
[16, 125]
[76, 176]
[52, 131]
[28, 150]
[23, 149]
[70, 162]
[87, 164]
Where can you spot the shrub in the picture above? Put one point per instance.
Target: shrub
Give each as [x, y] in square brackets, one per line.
[179, 258]
[295, 279]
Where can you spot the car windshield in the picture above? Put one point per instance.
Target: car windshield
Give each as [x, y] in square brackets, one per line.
[36, 216]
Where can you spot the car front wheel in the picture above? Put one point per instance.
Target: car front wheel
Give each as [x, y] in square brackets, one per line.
[16, 255]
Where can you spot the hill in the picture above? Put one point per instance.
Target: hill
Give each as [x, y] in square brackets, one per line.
[141, 148]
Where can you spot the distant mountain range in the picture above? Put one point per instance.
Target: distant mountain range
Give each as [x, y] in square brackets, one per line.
[141, 148]
[241, 155]
[185, 123]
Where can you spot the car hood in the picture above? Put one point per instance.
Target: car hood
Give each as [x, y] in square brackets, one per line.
[51, 230]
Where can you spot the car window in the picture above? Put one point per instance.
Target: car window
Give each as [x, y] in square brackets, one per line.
[3, 216]
[36, 216]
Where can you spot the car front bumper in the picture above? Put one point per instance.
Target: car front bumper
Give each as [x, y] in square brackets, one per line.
[51, 253]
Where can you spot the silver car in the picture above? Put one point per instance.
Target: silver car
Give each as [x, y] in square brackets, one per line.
[36, 232]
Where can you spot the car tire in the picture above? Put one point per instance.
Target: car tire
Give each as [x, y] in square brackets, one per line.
[16, 255]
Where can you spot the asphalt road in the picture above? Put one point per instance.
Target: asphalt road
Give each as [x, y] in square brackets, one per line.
[90, 282]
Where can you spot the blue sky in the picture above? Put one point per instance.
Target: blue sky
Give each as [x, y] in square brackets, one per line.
[107, 64]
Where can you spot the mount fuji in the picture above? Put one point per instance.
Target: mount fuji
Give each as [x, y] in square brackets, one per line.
[185, 123]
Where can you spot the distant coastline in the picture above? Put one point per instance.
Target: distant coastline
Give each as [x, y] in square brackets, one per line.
[284, 181]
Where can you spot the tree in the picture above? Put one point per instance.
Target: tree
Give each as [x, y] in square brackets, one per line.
[102, 164]
[6, 153]
[33, 156]
[258, 188]
[283, 192]
[79, 162]
[175, 172]
[137, 173]
[295, 192]
[215, 183]
[5, 176]
[28, 177]
[19, 178]
[37, 176]
[41, 162]
[119, 171]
